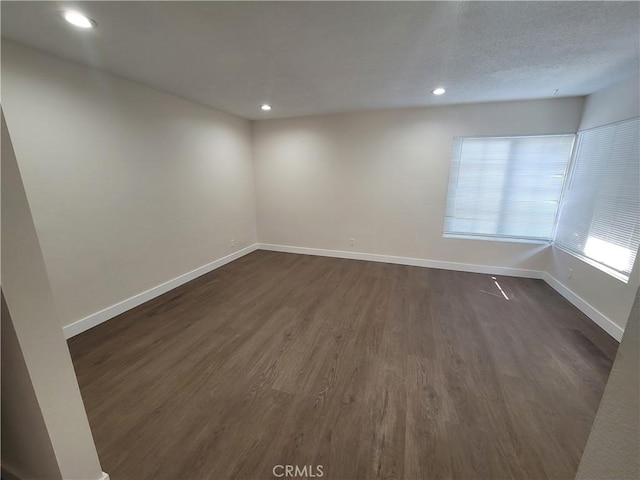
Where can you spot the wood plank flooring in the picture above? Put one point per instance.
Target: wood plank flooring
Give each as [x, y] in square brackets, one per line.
[369, 370]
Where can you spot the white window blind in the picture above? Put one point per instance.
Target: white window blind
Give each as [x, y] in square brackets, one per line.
[599, 220]
[506, 187]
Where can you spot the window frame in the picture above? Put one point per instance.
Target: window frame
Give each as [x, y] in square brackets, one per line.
[619, 275]
[512, 238]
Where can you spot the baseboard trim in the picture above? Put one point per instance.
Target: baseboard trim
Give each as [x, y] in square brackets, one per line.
[595, 315]
[97, 318]
[9, 473]
[103, 315]
[415, 262]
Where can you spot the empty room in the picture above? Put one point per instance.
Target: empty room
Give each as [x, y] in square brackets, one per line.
[338, 240]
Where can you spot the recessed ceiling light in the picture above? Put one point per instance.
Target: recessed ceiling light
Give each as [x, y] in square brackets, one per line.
[78, 19]
[438, 91]
[265, 107]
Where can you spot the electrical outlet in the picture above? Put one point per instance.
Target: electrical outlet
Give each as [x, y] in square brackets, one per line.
[233, 242]
[570, 273]
[352, 242]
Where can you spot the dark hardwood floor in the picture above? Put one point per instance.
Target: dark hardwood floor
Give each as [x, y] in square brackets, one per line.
[369, 370]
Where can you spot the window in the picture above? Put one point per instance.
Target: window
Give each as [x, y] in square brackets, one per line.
[601, 206]
[506, 188]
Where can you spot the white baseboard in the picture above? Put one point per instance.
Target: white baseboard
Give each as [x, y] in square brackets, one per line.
[9, 473]
[103, 315]
[416, 262]
[595, 315]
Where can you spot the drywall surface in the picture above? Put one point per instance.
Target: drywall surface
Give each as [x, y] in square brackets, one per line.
[46, 357]
[617, 102]
[25, 440]
[614, 442]
[129, 187]
[612, 297]
[381, 178]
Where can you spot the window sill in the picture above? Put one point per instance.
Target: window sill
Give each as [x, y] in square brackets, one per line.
[532, 241]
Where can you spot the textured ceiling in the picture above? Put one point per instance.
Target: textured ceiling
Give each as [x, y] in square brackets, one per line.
[314, 58]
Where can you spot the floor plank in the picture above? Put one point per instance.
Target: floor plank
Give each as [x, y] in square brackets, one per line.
[370, 370]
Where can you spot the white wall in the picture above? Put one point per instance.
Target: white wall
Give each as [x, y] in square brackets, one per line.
[40, 342]
[610, 296]
[618, 102]
[129, 187]
[165, 183]
[614, 443]
[26, 448]
[381, 178]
